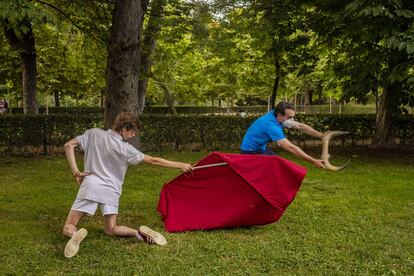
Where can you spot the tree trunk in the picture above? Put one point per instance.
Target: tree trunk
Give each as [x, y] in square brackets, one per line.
[150, 38]
[375, 91]
[124, 59]
[229, 104]
[102, 102]
[56, 97]
[302, 103]
[25, 44]
[29, 82]
[319, 94]
[308, 97]
[275, 84]
[169, 98]
[385, 120]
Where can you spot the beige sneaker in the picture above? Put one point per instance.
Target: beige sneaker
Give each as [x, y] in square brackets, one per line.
[151, 237]
[72, 247]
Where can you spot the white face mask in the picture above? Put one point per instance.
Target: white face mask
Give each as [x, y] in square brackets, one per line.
[289, 123]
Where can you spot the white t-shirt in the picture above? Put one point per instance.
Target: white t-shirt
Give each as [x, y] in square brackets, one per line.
[107, 158]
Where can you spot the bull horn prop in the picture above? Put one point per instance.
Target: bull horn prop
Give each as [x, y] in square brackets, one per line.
[326, 137]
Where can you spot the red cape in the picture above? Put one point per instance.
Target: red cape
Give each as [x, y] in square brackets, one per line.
[249, 190]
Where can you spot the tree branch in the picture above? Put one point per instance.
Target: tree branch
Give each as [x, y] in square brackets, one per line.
[11, 36]
[67, 17]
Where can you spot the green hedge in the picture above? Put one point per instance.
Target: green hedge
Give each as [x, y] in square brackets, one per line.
[147, 110]
[62, 110]
[162, 132]
[43, 130]
[312, 109]
[204, 109]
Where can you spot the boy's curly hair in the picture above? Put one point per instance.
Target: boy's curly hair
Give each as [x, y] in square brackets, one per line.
[126, 120]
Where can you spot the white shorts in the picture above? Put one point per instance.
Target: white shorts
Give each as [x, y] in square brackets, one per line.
[90, 206]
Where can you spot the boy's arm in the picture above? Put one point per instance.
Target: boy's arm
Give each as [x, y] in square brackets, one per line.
[70, 156]
[166, 163]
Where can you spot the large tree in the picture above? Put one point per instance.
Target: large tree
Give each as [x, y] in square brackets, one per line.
[268, 25]
[377, 39]
[151, 33]
[124, 53]
[17, 18]
[68, 56]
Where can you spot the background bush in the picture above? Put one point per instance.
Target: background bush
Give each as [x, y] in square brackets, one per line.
[312, 109]
[166, 132]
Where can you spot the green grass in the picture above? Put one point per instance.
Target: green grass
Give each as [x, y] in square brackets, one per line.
[353, 222]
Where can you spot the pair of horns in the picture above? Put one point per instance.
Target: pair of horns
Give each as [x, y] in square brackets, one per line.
[326, 137]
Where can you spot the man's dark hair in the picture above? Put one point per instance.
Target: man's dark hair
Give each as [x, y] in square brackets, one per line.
[281, 108]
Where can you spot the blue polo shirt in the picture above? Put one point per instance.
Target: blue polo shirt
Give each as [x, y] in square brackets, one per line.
[264, 130]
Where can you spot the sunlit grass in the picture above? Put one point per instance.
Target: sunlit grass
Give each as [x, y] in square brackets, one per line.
[357, 221]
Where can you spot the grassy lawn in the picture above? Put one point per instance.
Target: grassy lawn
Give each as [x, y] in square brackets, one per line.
[357, 221]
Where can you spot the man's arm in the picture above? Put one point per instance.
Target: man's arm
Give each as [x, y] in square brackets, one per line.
[166, 163]
[295, 150]
[307, 129]
[70, 156]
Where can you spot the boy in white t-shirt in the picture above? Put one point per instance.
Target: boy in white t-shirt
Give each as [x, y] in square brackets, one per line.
[107, 157]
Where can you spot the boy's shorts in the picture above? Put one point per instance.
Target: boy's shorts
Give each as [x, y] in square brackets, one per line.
[90, 206]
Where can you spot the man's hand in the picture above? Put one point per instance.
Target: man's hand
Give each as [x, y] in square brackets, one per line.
[319, 163]
[186, 167]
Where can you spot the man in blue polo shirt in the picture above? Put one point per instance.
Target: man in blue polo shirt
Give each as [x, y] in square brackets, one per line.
[269, 128]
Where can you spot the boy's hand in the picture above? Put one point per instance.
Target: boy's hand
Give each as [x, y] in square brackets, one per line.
[79, 179]
[79, 176]
[186, 167]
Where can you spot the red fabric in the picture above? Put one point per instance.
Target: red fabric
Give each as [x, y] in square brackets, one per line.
[250, 190]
